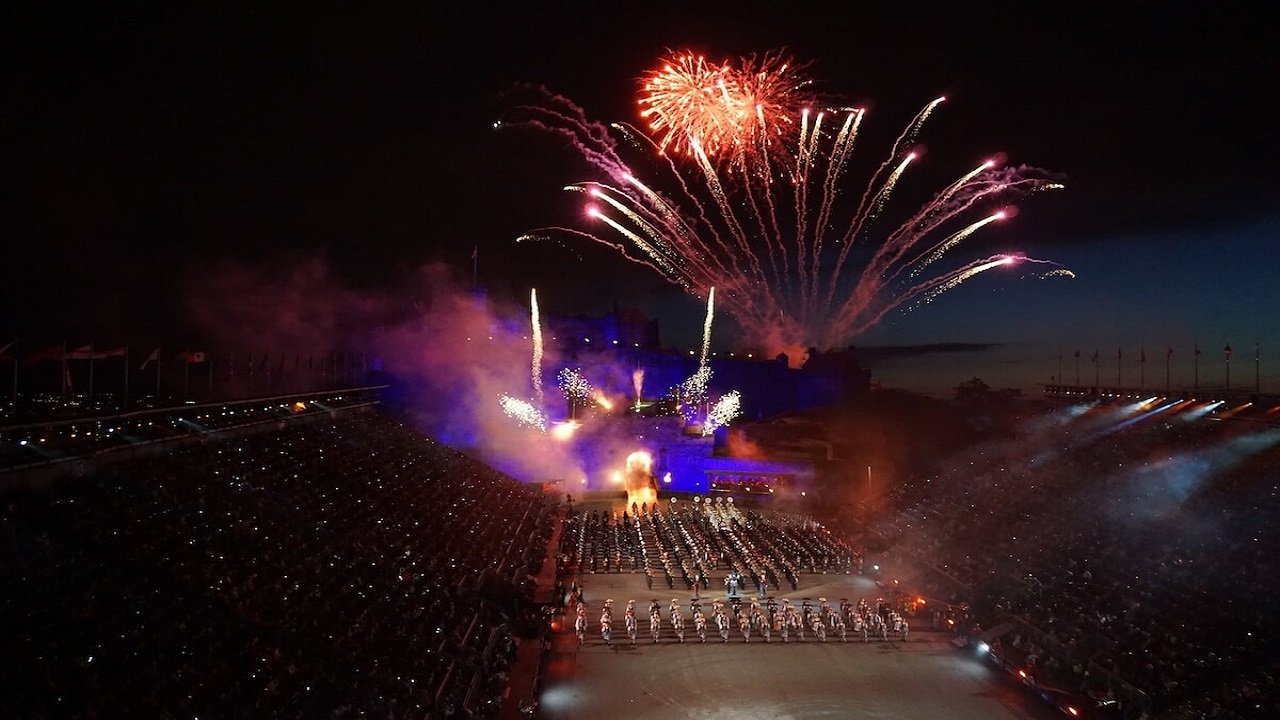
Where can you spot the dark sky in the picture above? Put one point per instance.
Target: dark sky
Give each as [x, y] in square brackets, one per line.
[145, 146]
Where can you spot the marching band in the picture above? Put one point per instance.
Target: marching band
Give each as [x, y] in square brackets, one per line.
[867, 621]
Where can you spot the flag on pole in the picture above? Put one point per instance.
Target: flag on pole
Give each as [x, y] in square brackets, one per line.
[153, 357]
[193, 357]
[1228, 351]
[1197, 350]
[122, 351]
[1095, 356]
[84, 352]
[1142, 355]
[6, 352]
[53, 352]
[1168, 353]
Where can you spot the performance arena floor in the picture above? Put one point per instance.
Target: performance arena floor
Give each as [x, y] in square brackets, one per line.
[926, 677]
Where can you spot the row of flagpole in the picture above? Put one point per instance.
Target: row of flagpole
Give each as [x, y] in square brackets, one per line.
[59, 353]
[1142, 361]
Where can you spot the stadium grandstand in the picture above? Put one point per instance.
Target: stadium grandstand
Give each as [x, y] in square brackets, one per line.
[292, 557]
[313, 556]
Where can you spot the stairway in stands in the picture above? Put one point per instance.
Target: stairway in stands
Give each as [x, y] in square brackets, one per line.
[653, 556]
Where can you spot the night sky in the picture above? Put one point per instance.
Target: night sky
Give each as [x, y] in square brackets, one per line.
[146, 149]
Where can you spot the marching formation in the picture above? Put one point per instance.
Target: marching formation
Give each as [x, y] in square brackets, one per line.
[857, 620]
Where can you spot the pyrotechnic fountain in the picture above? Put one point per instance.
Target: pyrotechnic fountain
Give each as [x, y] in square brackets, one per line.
[577, 390]
[748, 179]
[537, 345]
[523, 411]
[706, 326]
[638, 479]
[637, 383]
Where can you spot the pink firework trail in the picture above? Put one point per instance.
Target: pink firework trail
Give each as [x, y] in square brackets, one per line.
[749, 201]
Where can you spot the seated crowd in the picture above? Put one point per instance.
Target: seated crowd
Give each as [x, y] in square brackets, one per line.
[327, 567]
[1133, 561]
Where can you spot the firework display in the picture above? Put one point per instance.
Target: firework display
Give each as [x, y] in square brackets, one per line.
[740, 184]
[575, 387]
[523, 412]
[728, 407]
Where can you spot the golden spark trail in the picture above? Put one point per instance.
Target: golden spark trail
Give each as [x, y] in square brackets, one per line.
[804, 163]
[655, 248]
[929, 291]
[640, 243]
[536, 367]
[706, 326]
[951, 189]
[840, 151]
[678, 231]
[883, 196]
[907, 136]
[879, 269]
[961, 275]
[735, 228]
[952, 241]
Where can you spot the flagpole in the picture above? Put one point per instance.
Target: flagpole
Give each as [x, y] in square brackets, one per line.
[64, 372]
[159, 354]
[1195, 388]
[124, 405]
[1227, 349]
[15, 379]
[1257, 371]
[186, 375]
[91, 350]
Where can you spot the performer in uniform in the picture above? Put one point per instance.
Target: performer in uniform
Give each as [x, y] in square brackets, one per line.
[630, 618]
[580, 624]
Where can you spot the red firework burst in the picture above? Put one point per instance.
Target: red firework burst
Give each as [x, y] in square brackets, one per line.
[735, 115]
